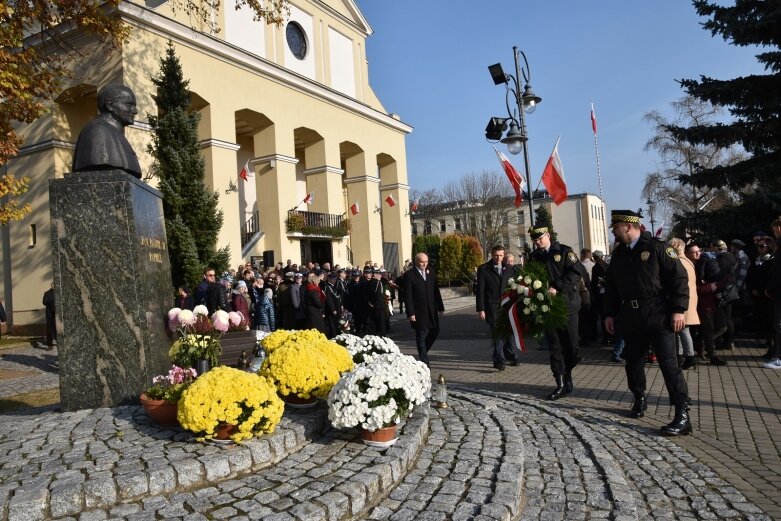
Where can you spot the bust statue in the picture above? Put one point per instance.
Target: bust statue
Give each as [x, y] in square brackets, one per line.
[102, 144]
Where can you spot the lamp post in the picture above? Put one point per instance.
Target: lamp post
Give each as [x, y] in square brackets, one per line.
[650, 204]
[525, 103]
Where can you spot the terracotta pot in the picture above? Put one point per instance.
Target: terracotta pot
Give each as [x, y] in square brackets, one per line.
[161, 412]
[297, 402]
[224, 431]
[384, 437]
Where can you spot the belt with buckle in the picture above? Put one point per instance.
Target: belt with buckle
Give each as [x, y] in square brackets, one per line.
[637, 303]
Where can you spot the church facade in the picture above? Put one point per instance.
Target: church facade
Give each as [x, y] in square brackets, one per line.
[291, 103]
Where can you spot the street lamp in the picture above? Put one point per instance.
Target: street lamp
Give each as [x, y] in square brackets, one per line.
[650, 204]
[525, 103]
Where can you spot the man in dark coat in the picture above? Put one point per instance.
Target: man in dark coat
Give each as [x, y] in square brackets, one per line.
[492, 279]
[375, 298]
[424, 304]
[565, 277]
[333, 306]
[647, 293]
[51, 327]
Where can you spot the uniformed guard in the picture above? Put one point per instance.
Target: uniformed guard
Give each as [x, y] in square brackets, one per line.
[564, 279]
[646, 295]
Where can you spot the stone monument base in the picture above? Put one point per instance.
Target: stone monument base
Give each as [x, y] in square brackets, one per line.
[112, 282]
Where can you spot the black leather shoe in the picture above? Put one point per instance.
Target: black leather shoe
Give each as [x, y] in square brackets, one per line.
[689, 362]
[681, 423]
[568, 386]
[715, 360]
[638, 407]
[558, 392]
[499, 367]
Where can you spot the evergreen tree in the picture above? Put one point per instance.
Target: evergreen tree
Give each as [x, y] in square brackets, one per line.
[755, 104]
[542, 217]
[449, 259]
[192, 218]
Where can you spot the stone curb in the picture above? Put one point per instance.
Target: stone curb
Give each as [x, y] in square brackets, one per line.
[88, 476]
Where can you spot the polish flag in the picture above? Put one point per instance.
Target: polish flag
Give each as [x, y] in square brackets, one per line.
[309, 198]
[244, 174]
[354, 209]
[659, 231]
[390, 200]
[414, 207]
[553, 177]
[593, 120]
[512, 174]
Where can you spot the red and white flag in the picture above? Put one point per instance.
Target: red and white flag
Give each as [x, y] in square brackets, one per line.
[513, 176]
[244, 174]
[659, 231]
[553, 177]
[355, 208]
[593, 120]
[414, 207]
[309, 198]
[390, 200]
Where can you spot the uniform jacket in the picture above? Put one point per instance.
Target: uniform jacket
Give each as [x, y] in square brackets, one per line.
[375, 294]
[422, 299]
[490, 286]
[333, 302]
[651, 274]
[564, 271]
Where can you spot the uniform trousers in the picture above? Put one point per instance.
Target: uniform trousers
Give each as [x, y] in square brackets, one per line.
[564, 346]
[635, 350]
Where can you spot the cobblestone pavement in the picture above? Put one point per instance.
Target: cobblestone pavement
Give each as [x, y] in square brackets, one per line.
[498, 451]
[23, 360]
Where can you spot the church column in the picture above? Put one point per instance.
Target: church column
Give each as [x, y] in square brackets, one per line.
[217, 136]
[366, 232]
[275, 174]
[396, 226]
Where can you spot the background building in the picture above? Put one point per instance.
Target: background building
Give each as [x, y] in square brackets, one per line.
[292, 101]
[579, 222]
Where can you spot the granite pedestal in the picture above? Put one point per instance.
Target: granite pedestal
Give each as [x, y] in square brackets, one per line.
[113, 287]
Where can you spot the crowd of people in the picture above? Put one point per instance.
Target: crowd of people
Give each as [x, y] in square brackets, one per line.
[673, 303]
[331, 299]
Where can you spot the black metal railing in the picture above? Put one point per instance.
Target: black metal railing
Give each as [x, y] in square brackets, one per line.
[313, 223]
[250, 229]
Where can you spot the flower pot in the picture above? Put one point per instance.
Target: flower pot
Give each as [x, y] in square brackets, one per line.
[296, 402]
[224, 431]
[384, 437]
[202, 366]
[161, 412]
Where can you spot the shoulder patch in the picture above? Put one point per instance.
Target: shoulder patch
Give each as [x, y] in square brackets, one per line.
[572, 257]
[671, 253]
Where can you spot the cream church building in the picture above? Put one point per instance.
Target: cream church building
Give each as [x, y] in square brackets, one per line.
[293, 102]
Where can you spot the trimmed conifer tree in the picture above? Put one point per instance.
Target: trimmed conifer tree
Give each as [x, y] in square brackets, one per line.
[755, 103]
[542, 217]
[192, 218]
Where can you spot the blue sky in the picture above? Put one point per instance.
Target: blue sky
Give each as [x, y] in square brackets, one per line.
[428, 62]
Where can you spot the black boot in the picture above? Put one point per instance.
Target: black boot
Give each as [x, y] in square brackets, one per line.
[681, 424]
[558, 392]
[638, 406]
[568, 386]
[689, 362]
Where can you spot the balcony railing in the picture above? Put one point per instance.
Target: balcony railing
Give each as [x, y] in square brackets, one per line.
[251, 227]
[317, 224]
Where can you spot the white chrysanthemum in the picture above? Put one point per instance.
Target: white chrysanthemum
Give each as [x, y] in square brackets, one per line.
[201, 310]
[186, 317]
[537, 284]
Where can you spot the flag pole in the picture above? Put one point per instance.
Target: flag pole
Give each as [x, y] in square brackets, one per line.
[599, 177]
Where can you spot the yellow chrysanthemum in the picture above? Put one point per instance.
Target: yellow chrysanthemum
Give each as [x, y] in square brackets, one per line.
[305, 363]
[227, 395]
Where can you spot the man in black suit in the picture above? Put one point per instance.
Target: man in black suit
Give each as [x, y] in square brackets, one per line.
[492, 278]
[424, 304]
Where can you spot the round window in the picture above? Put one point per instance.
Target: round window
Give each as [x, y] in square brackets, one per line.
[296, 40]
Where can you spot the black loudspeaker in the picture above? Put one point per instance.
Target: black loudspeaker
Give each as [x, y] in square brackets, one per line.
[268, 258]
